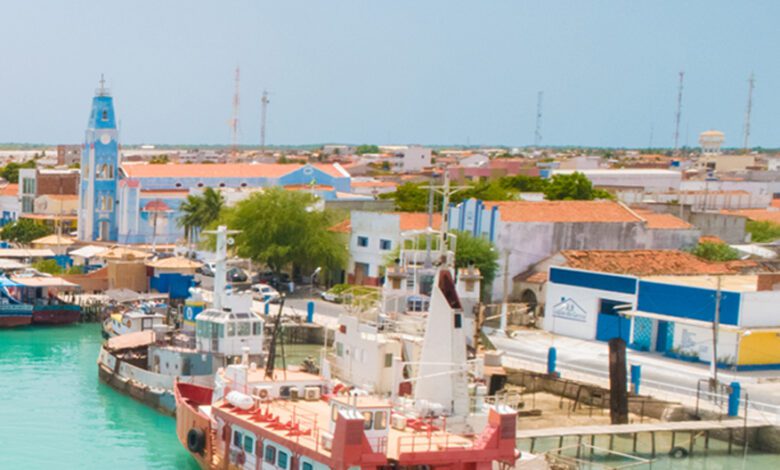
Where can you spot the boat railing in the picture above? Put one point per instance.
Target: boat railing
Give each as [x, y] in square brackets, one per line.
[431, 441]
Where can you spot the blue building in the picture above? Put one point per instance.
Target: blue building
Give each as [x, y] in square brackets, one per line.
[99, 175]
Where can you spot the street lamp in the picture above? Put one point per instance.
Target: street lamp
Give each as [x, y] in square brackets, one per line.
[311, 281]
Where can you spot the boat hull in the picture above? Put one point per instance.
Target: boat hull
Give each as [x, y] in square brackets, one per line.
[10, 321]
[188, 398]
[56, 315]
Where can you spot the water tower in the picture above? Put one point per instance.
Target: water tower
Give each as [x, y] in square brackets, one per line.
[710, 142]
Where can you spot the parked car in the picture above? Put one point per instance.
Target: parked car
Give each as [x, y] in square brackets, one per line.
[265, 293]
[278, 281]
[233, 275]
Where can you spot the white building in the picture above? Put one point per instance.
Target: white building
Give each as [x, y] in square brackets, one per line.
[649, 180]
[374, 236]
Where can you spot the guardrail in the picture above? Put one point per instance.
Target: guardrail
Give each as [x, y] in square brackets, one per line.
[716, 402]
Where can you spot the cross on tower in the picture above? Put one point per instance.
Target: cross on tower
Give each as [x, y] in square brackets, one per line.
[102, 85]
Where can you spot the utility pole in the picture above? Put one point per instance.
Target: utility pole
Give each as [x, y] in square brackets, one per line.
[504, 306]
[748, 111]
[538, 131]
[234, 119]
[678, 114]
[715, 328]
[264, 109]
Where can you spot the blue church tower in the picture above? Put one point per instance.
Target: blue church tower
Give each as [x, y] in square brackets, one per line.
[99, 171]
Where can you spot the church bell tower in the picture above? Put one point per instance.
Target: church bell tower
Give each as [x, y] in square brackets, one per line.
[99, 171]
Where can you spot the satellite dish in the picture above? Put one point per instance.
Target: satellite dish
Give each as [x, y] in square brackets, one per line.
[230, 241]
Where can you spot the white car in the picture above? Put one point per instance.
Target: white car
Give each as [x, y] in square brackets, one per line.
[265, 293]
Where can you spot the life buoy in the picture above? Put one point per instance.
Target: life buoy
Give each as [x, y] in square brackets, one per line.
[263, 393]
[196, 440]
[678, 452]
[241, 458]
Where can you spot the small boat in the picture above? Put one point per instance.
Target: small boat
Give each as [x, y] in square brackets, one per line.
[12, 311]
[147, 316]
[41, 291]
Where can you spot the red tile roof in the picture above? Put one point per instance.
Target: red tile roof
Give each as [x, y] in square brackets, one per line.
[662, 221]
[564, 211]
[220, 170]
[345, 226]
[643, 262]
[11, 189]
[768, 215]
[417, 220]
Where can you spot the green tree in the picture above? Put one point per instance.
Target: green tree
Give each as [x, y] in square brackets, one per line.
[200, 211]
[715, 251]
[159, 159]
[24, 231]
[477, 251]
[485, 191]
[11, 171]
[575, 186]
[762, 231]
[49, 266]
[281, 228]
[412, 197]
[525, 184]
[365, 148]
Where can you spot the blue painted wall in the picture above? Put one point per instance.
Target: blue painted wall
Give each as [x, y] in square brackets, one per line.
[695, 303]
[594, 280]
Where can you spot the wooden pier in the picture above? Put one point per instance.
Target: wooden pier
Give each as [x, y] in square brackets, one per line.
[694, 429]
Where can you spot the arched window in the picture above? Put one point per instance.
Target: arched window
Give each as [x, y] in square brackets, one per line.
[104, 116]
[110, 172]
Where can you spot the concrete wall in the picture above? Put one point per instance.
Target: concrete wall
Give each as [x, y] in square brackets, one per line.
[375, 205]
[729, 228]
[375, 227]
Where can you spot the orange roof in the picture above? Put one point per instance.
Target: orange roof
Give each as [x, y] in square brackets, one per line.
[662, 221]
[220, 170]
[763, 215]
[711, 239]
[564, 211]
[775, 202]
[345, 226]
[417, 220]
[643, 262]
[11, 189]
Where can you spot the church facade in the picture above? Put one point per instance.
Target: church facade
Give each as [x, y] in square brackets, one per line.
[139, 203]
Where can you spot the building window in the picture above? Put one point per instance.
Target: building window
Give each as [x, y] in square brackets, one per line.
[458, 320]
[307, 466]
[340, 349]
[270, 454]
[281, 461]
[231, 329]
[249, 444]
[237, 439]
[368, 420]
[385, 244]
[380, 420]
[362, 241]
[244, 328]
[258, 328]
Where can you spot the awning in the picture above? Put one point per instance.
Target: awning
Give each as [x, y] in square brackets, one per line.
[42, 282]
[131, 340]
[742, 330]
[89, 251]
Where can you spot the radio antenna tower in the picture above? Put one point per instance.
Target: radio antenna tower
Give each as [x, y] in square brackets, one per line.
[748, 111]
[264, 110]
[678, 114]
[234, 119]
[538, 131]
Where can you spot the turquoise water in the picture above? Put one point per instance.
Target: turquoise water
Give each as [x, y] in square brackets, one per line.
[55, 413]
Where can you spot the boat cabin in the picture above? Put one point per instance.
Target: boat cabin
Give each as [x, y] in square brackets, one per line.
[136, 320]
[227, 333]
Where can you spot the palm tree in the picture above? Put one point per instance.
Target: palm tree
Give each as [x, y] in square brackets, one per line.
[200, 211]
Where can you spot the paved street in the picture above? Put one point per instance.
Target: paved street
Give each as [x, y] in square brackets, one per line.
[589, 360]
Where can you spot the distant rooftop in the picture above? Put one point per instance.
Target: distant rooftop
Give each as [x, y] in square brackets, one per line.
[224, 170]
[564, 211]
[643, 262]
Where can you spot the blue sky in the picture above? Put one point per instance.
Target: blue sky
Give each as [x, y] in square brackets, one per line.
[401, 71]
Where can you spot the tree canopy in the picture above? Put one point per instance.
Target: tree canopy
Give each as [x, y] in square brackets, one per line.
[762, 231]
[24, 231]
[574, 186]
[477, 251]
[281, 228]
[412, 197]
[365, 148]
[715, 251]
[11, 171]
[200, 211]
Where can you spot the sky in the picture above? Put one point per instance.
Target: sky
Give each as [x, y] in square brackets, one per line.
[437, 72]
